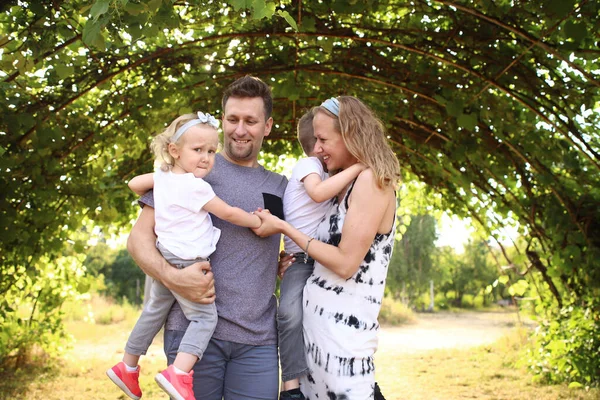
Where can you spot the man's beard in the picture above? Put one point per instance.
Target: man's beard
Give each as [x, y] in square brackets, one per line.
[239, 153]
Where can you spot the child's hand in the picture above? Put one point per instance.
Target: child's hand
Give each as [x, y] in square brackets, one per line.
[362, 166]
[258, 222]
[269, 225]
[285, 261]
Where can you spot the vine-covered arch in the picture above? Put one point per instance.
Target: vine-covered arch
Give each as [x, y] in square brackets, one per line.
[494, 104]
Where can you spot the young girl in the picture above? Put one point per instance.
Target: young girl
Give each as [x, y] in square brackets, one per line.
[185, 235]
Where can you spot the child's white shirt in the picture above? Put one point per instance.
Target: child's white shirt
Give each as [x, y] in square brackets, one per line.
[302, 212]
[181, 223]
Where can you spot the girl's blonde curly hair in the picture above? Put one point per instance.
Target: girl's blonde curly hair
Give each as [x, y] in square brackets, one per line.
[160, 143]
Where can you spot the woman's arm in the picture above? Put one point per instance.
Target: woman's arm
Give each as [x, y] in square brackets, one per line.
[365, 214]
[231, 214]
[141, 184]
[190, 282]
[322, 190]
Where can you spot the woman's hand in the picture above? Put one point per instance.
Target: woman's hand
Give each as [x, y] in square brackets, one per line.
[285, 261]
[270, 223]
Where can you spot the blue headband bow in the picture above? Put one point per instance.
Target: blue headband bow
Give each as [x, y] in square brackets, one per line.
[202, 119]
[332, 105]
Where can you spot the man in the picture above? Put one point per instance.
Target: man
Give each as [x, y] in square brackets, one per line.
[241, 359]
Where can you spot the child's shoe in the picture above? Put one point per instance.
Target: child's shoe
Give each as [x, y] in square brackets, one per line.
[293, 394]
[178, 386]
[127, 381]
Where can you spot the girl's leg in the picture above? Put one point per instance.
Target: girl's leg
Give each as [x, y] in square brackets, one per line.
[131, 360]
[203, 320]
[177, 379]
[185, 361]
[149, 324]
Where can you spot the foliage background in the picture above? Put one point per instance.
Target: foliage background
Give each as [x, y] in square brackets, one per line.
[492, 104]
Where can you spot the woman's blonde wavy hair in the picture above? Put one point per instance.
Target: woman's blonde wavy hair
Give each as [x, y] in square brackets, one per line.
[365, 138]
[160, 143]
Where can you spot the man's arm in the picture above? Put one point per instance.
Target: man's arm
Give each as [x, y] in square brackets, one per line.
[189, 282]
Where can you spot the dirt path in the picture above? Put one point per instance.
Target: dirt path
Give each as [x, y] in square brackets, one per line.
[447, 330]
[99, 346]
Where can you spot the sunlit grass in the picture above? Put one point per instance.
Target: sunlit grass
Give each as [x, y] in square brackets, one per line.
[487, 372]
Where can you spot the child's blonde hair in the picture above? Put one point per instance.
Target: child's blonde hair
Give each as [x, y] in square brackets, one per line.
[160, 143]
[306, 133]
[365, 138]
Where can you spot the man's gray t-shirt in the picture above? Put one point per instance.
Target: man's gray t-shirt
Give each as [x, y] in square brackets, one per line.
[244, 265]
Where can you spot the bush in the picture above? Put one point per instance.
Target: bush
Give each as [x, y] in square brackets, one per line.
[394, 312]
[31, 309]
[105, 311]
[567, 346]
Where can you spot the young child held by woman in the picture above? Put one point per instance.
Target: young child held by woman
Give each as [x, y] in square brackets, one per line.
[185, 235]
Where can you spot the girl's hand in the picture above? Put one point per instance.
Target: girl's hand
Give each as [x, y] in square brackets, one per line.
[269, 226]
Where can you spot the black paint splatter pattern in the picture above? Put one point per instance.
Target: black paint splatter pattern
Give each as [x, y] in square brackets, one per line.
[340, 317]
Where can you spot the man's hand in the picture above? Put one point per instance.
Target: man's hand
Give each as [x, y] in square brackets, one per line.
[195, 283]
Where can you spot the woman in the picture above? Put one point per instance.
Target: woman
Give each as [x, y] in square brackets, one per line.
[352, 250]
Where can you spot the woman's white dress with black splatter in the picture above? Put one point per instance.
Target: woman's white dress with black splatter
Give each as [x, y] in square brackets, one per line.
[340, 317]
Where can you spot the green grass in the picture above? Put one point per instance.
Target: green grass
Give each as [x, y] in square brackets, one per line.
[487, 372]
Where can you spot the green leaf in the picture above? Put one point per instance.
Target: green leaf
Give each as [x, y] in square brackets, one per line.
[136, 31]
[561, 7]
[308, 24]
[241, 4]
[401, 12]
[2, 151]
[150, 31]
[92, 35]
[286, 15]
[326, 44]
[518, 288]
[154, 5]
[185, 110]
[573, 252]
[24, 63]
[63, 71]
[575, 30]
[467, 121]
[135, 9]
[440, 99]
[99, 8]
[575, 385]
[455, 108]
[262, 10]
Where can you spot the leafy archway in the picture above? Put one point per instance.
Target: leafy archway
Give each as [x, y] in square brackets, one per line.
[494, 104]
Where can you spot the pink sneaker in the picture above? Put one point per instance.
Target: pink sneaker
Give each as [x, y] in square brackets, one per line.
[127, 381]
[178, 386]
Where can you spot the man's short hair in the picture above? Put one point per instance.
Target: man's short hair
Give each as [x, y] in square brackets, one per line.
[306, 133]
[250, 87]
